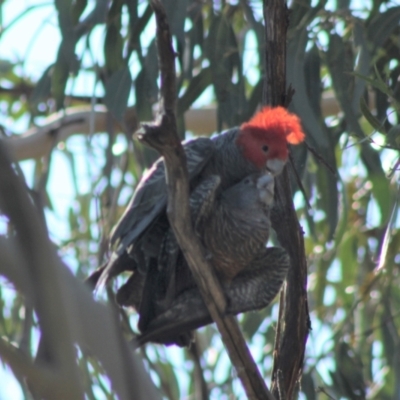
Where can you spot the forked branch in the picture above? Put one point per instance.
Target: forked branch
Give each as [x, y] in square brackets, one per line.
[163, 137]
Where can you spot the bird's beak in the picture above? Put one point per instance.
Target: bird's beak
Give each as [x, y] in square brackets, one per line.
[265, 186]
[275, 166]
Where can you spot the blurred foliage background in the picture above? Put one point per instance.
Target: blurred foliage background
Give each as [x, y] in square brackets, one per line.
[343, 63]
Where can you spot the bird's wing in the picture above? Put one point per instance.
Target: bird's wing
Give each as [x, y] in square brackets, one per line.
[202, 200]
[150, 197]
[252, 289]
[172, 274]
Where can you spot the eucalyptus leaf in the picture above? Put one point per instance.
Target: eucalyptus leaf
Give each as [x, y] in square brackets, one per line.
[195, 88]
[382, 26]
[113, 43]
[393, 137]
[382, 194]
[146, 88]
[42, 89]
[117, 90]
[369, 117]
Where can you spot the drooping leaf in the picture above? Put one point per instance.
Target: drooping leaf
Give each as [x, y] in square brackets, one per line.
[176, 12]
[77, 9]
[340, 64]
[393, 136]
[146, 88]
[5, 67]
[251, 323]
[42, 89]
[348, 377]
[382, 194]
[225, 63]
[295, 68]
[312, 67]
[328, 199]
[369, 117]
[65, 64]
[308, 386]
[196, 87]
[97, 16]
[317, 134]
[363, 58]
[113, 43]
[382, 26]
[136, 27]
[117, 92]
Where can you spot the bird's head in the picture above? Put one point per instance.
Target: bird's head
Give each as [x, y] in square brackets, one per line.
[264, 139]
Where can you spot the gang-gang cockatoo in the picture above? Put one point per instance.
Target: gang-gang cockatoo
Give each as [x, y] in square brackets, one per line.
[234, 227]
[140, 239]
[259, 145]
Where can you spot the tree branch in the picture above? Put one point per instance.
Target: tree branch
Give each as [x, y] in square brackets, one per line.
[294, 321]
[37, 141]
[163, 137]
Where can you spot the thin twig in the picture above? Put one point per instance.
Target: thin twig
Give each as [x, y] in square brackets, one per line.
[201, 391]
[320, 158]
[299, 182]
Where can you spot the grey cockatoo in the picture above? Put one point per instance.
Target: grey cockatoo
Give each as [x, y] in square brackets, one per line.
[259, 145]
[233, 226]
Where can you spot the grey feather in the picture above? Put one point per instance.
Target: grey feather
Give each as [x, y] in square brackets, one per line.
[252, 289]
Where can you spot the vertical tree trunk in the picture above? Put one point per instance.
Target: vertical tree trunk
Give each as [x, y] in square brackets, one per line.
[294, 322]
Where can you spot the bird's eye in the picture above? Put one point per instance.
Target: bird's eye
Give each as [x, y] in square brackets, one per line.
[265, 148]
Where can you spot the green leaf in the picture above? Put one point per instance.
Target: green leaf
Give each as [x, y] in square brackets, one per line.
[393, 137]
[77, 9]
[348, 376]
[382, 26]
[312, 67]
[321, 283]
[363, 59]
[254, 100]
[301, 103]
[308, 386]
[113, 43]
[377, 83]
[382, 194]
[64, 16]
[196, 16]
[340, 63]
[369, 117]
[176, 13]
[251, 323]
[6, 66]
[196, 87]
[328, 199]
[318, 136]
[59, 79]
[383, 255]
[117, 91]
[136, 27]
[168, 376]
[97, 16]
[347, 255]
[223, 52]
[42, 89]
[146, 88]
[66, 63]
